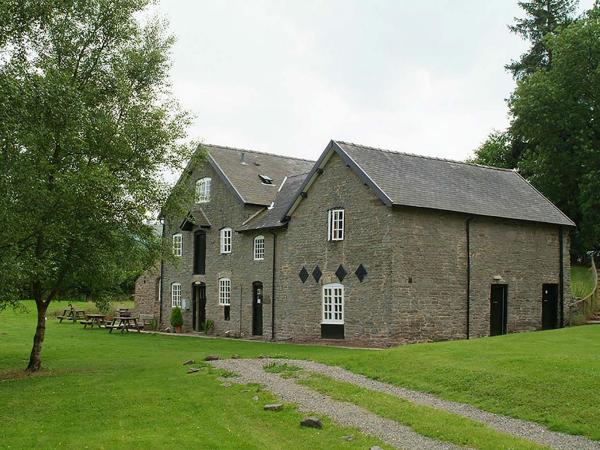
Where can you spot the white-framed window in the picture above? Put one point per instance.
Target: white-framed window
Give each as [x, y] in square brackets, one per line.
[224, 291]
[259, 248]
[333, 303]
[203, 190]
[178, 244]
[226, 240]
[176, 295]
[335, 225]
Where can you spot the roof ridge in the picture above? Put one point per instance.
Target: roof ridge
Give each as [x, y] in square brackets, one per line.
[255, 151]
[435, 158]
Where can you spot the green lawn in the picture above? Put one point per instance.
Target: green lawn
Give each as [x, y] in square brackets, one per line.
[131, 390]
[582, 281]
[425, 420]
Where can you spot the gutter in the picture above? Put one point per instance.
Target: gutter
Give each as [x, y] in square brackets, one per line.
[468, 236]
[561, 284]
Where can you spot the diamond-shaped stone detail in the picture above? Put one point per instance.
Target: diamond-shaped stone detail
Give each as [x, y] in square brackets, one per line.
[361, 273]
[341, 273]
[303, 274]
[317, 274]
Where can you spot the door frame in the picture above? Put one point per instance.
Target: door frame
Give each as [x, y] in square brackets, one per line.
[195, 266]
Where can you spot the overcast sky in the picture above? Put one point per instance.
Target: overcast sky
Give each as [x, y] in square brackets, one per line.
[421, 76]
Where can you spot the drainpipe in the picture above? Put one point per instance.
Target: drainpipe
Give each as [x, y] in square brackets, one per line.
[273, 288]
[161, 284]
[561, 287]
[468, 236]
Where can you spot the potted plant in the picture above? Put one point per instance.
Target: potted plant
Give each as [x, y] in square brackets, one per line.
[176, 319]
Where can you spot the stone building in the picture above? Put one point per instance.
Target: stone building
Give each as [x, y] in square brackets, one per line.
[364, 246]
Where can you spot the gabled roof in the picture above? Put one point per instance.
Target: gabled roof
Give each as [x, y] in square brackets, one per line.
[271, 217]
[404, 179]
[195, 217]
[241, 169]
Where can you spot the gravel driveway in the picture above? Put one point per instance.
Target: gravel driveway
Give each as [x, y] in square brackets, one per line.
[400, 436]
[342, 413]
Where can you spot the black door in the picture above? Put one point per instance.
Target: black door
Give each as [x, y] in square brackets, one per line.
[549, 306]
[200, 252]
[257, 302]
[498, 309]
[199, 306]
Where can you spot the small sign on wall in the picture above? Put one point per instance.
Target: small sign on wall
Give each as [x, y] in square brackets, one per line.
[266, 299]
[185, 304]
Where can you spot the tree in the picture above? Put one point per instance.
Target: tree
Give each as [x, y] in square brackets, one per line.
[87, 128]
[543, 18]
[556, 112]
[498, 150]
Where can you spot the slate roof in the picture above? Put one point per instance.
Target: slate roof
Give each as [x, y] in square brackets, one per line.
[425, 182]
[242, 172]
[272, 218]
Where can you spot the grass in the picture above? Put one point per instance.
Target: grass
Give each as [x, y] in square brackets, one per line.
[582, 281]
[131, 390]
[424, 420]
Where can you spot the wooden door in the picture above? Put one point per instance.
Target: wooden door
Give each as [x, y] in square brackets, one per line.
[498, 309]
[200, 252]
[257, 313]
[549, 306]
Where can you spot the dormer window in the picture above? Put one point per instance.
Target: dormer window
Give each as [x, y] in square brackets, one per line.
[203, 190]
[265, 179]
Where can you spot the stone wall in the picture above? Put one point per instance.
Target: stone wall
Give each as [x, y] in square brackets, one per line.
[146, 296]
[224, 210]
[416, 262]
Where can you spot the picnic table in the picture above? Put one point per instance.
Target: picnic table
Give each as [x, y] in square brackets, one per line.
[92, 319]
[124, 323]
[71, 314]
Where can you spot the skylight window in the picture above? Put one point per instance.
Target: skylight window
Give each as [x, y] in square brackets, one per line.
[265, 179]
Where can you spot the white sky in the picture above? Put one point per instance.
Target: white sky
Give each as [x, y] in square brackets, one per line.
[283, 76]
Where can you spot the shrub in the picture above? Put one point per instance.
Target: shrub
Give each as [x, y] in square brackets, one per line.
[207, 326]
[176, 317]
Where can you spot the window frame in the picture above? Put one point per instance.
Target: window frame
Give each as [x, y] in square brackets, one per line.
[336, 219]
[225, 242]
[333, 320]
[178, 244]
[225, 291]
[205, 185]
[259, 248]
[176, 303]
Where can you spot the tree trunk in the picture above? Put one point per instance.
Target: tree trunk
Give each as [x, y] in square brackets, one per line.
[35, 363]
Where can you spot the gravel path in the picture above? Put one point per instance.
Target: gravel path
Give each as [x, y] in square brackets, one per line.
[515, 427]
[345, 414]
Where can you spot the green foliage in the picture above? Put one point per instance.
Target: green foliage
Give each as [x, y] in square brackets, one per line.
[582, 281]
[556, 112]
[542, 19]
[498, 150]
[88, 127]
[176, 317]
[553, 139]
[207, 326]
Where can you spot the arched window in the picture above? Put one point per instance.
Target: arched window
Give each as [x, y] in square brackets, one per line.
[176, 295]
[203, 190]
[333, 304]
[226, 240]
[259, 248]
